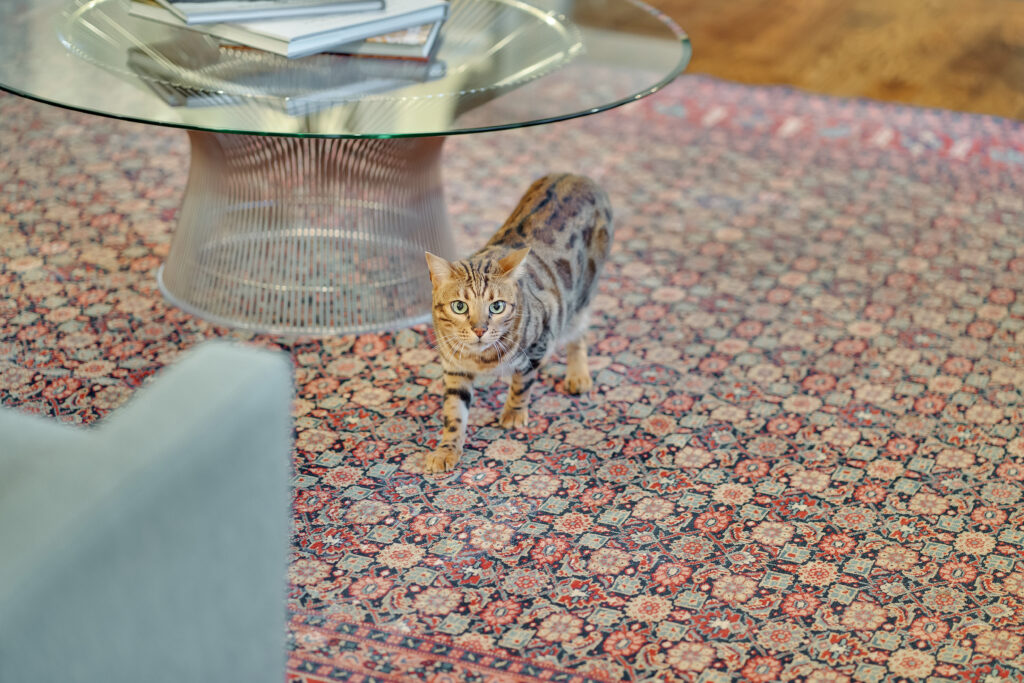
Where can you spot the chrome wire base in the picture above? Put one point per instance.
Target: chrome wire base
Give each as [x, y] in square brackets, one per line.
[308, 236]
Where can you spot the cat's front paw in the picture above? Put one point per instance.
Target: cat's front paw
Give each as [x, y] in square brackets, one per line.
[514, 419]
[578, 382]
[441, 459]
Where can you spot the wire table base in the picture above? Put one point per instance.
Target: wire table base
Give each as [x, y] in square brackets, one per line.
[308, 236]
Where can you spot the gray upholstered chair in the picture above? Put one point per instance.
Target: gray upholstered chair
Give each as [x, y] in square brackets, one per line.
[152, 547]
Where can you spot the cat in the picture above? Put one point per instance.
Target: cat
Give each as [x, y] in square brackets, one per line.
[504, 309]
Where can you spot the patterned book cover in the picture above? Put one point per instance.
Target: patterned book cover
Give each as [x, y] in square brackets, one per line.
[415, 36]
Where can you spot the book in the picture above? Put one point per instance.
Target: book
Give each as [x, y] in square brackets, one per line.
[198, 77]
[418, 43]
[219, 11]
[415, 43]
[303, 36]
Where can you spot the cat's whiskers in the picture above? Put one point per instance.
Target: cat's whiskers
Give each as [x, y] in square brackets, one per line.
[439, 342]
[451, 344]
[503, 351]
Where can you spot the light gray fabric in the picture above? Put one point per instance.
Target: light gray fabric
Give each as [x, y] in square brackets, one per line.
[154, 546]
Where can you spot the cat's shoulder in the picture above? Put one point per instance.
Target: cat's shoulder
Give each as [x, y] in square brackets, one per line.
[565, 184]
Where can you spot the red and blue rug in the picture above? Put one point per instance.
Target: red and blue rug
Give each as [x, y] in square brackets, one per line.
[803, 459]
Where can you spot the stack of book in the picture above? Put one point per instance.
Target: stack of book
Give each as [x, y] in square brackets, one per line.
[233, 52]
[299, 28]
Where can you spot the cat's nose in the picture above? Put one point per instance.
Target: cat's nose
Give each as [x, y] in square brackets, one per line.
[479, 331]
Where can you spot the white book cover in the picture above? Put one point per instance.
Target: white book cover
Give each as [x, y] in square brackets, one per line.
[304, 36]
[215, 11]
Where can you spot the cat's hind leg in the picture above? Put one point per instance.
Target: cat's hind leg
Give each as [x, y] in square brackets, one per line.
[577, 374]
[516, 413]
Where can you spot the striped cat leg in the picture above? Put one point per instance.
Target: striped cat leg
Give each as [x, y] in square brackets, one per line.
[577, 374]
[458, 392]
[516, 413]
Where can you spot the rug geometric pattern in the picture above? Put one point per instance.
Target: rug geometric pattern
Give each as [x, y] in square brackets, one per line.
[803, 458]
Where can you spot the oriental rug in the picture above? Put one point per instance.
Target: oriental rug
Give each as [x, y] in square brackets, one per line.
[803, 458]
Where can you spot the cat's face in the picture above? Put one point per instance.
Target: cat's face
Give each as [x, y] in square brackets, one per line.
[475, 304]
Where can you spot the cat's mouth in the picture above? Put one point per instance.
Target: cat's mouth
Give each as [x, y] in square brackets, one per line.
[479, 346]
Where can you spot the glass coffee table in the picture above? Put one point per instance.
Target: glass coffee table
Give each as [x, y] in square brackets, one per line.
[315, 183]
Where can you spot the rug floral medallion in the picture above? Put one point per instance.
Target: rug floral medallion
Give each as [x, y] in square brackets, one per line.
[803, 458]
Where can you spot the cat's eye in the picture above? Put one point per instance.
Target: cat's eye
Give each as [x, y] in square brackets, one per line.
[497, 307]
[460, 307]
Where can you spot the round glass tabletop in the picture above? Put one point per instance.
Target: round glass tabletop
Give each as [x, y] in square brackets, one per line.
[500, 64]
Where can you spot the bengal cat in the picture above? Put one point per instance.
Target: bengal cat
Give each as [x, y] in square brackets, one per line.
[504, 309]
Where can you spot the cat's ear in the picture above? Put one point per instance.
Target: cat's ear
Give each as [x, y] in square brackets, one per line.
[440, 269]
[511, 262]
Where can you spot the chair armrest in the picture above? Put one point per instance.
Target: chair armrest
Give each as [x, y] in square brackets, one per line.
[153, 546]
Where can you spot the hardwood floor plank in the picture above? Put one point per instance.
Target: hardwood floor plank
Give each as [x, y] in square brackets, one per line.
[966, 55]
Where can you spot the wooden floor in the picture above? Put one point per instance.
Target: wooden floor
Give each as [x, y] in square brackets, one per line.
[966, 55]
